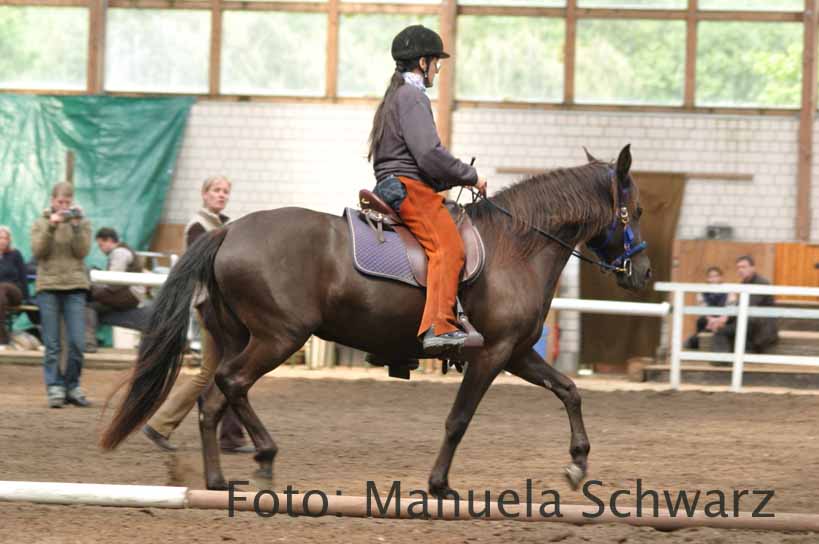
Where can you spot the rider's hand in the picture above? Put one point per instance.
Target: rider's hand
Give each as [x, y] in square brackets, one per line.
[481, 186]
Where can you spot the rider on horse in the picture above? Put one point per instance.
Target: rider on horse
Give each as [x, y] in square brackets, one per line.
[411, 166]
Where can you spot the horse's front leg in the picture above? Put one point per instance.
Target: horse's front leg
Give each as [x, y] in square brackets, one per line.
[478, 376]
[532, 368]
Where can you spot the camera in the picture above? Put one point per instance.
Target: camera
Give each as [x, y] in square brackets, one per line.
[72, 213]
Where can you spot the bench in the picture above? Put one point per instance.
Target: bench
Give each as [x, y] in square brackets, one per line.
[790, 343]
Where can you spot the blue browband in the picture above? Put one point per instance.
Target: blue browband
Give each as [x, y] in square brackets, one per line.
[623, 262]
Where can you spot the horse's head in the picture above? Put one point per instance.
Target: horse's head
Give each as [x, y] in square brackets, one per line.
[621, 244]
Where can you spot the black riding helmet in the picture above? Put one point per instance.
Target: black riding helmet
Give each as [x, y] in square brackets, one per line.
[417, 41]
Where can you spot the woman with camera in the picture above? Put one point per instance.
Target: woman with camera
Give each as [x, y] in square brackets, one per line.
[60, 240]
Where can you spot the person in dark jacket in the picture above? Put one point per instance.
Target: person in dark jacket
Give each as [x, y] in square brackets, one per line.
[13, 281]
[411, 166]
[707, 322]
[762, 331]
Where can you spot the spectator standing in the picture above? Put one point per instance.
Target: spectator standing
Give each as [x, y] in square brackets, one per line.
[215, 196]
[60, 240]
[13, 281]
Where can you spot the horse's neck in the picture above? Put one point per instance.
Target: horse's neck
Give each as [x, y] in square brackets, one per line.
[548, 265]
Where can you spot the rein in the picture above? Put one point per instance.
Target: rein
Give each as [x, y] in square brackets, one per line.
[619, 264]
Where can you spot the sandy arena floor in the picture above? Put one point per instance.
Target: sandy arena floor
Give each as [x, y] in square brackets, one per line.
[336, 433]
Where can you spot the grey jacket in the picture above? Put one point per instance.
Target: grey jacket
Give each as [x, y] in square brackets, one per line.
[411, 147]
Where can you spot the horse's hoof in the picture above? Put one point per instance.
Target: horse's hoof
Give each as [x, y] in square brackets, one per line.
[219, 485]
[575, 475]
[443, 492]
[262, 479]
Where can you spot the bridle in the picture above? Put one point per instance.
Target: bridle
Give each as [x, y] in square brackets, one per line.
[622, 263]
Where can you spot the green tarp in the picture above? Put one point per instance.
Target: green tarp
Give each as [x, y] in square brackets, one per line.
[125, 150]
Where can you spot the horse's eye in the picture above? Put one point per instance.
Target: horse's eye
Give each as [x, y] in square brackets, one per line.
[638, 212]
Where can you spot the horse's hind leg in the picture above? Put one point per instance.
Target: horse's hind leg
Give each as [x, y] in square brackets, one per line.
[532, 368]
[235, 378]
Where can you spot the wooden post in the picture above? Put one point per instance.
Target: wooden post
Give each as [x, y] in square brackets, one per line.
[806, 122]
[446, 87]
[95, 76]
[569, 51]
[69, 167]
[331, 77]
[215, 65]
[690, 55]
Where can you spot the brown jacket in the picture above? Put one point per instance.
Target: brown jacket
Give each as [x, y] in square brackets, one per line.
[60, 250]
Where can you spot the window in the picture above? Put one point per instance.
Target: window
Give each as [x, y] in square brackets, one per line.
[157, 50]
[749, 64]
[273, 53]
[43, 48]
[365, 63]
[630, 62]
[753, 5]
[528, 3]
[634, 4]
[510, 58]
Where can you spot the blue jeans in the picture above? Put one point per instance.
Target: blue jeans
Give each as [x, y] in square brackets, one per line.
[69, 305]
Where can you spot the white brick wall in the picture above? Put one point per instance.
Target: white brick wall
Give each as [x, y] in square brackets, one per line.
[314, 156]
[275, 154]
[765, 147]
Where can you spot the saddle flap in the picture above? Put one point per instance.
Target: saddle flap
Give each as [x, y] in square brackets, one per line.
[395, 253]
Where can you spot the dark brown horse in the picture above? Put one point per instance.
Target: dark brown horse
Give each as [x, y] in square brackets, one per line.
[273, 278]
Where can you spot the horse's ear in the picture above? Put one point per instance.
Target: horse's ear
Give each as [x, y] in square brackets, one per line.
[589, 156]
[624, 165]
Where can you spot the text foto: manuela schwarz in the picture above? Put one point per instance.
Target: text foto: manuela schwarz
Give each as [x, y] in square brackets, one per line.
[713, 503]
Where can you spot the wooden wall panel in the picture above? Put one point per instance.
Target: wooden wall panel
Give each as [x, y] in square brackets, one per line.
[796, 265]
[168, 238]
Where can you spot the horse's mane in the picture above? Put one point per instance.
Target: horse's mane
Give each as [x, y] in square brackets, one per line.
[571, 203]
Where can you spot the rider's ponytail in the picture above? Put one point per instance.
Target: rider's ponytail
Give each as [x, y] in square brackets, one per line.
[380, 117]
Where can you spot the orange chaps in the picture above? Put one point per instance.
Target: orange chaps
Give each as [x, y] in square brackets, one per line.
[423, 212]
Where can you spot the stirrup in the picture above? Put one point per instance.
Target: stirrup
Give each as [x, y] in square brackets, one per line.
[474, 339]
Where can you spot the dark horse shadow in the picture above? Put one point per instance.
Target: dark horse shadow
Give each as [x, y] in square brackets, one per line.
[273, 278]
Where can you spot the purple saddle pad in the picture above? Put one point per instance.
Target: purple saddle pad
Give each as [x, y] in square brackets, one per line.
[387, 259]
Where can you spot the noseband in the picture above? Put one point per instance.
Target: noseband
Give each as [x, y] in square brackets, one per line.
[623, 262]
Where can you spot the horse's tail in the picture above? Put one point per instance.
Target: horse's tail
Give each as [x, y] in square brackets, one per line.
[163, 343]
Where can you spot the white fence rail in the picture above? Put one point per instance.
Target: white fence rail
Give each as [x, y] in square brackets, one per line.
[742, 311]
[677, 309]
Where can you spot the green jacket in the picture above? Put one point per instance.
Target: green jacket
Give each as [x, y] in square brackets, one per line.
[60, 251]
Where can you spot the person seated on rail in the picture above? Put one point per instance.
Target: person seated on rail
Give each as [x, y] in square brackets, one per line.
[762, 331]
[411, 166]
[13, 282]
[110, 298]
[710, 322]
